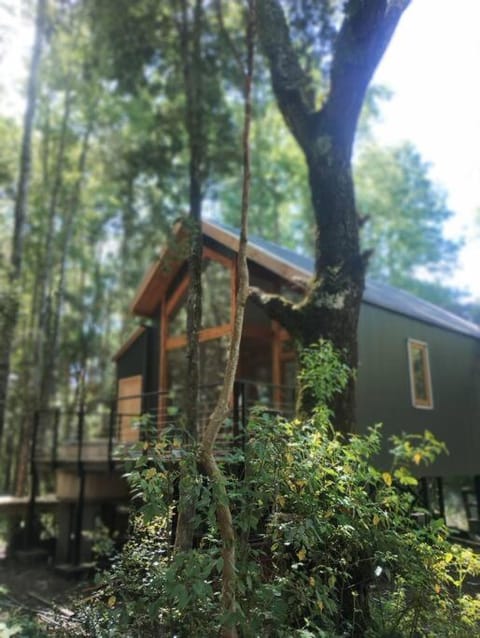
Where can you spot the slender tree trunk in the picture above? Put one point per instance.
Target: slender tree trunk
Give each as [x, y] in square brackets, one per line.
[41, 333]
[20, 214]
[44, 284]
[190, 44]
[50, 356]
[217, 418]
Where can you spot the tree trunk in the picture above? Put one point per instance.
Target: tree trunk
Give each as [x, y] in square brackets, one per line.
[331, 308]
[219, 414]
[190, 45]
[44, 287]
[20, 213]
[50, 356]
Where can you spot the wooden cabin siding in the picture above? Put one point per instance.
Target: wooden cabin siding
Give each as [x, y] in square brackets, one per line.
[383, 390]
[132, 361]
[142, 358]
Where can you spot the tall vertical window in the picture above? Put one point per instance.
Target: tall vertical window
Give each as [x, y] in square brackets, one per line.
[420, 379]
[217, 302]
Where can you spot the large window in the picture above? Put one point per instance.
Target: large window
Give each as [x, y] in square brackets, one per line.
[216, 304]
[420, 379]
[217, 289]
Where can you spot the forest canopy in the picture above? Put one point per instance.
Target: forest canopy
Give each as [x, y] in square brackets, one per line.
[112, 137]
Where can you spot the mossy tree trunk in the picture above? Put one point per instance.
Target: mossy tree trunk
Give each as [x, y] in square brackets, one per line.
[190, 26]
[331, 306]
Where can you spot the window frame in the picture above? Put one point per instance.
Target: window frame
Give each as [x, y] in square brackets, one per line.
[417, 402]
[206, 334]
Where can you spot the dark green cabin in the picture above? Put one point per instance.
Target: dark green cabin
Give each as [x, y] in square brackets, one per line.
[419, 364]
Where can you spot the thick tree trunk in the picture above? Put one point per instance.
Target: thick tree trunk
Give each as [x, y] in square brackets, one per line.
[16, 258]
[331, 308]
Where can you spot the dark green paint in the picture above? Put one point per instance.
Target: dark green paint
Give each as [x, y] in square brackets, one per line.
[383, 387]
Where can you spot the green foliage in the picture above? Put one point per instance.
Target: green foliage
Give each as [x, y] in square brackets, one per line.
[318, 527]
[406, 212]
[322, 372]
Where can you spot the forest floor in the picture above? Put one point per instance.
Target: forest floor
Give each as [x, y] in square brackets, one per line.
[36, 596]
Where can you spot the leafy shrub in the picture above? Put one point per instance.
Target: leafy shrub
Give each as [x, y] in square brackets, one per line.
[326, 543]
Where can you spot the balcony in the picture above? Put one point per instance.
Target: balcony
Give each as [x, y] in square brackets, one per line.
[101, 435]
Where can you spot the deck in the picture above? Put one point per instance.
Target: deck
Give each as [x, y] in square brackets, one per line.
[99, 436]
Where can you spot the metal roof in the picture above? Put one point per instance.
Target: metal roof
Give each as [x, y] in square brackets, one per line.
[376, 293]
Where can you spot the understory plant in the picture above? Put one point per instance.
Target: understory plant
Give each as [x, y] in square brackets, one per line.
[327, 544]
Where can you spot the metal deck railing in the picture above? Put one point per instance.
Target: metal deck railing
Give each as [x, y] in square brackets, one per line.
[98, 435]
[99, 432]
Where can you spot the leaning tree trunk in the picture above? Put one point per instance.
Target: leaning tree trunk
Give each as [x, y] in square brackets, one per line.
[10, 311]
[220, 412]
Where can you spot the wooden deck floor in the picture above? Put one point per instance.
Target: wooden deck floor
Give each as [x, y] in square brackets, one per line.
[18, 504]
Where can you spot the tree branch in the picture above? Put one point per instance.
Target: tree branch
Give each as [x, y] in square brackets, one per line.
[290, 83]
[277, 308]
[361, 42]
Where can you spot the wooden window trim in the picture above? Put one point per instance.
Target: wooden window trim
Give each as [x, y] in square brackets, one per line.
[209, 253]
[176, 297]
[182, 287]
[422, 404]
[168, 305]
[207, 334]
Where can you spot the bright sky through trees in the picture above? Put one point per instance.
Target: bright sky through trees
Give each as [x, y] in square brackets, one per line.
[432, 67]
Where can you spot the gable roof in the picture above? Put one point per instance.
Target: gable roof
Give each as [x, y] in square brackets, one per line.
[375, 294]
[290, 265]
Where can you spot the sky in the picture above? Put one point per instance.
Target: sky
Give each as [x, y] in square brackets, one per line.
[432, 67]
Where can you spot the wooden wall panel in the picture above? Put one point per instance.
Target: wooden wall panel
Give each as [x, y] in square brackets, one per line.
[129, 406]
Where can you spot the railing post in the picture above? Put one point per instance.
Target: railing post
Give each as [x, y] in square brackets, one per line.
[243, 414]
[441, 500]
[30, 526]
[56, 421]
[476, 487]
[235, 415]
[81, 490]
[424, 496]
[111, 434]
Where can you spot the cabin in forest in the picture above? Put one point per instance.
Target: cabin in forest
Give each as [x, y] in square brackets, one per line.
[419, 368]
[419, 365]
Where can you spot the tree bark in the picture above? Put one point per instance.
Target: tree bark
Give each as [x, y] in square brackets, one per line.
[331, 307]
[20, 213]
[191, 52]
[50, 356]
[217, 418]
[43, 285]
